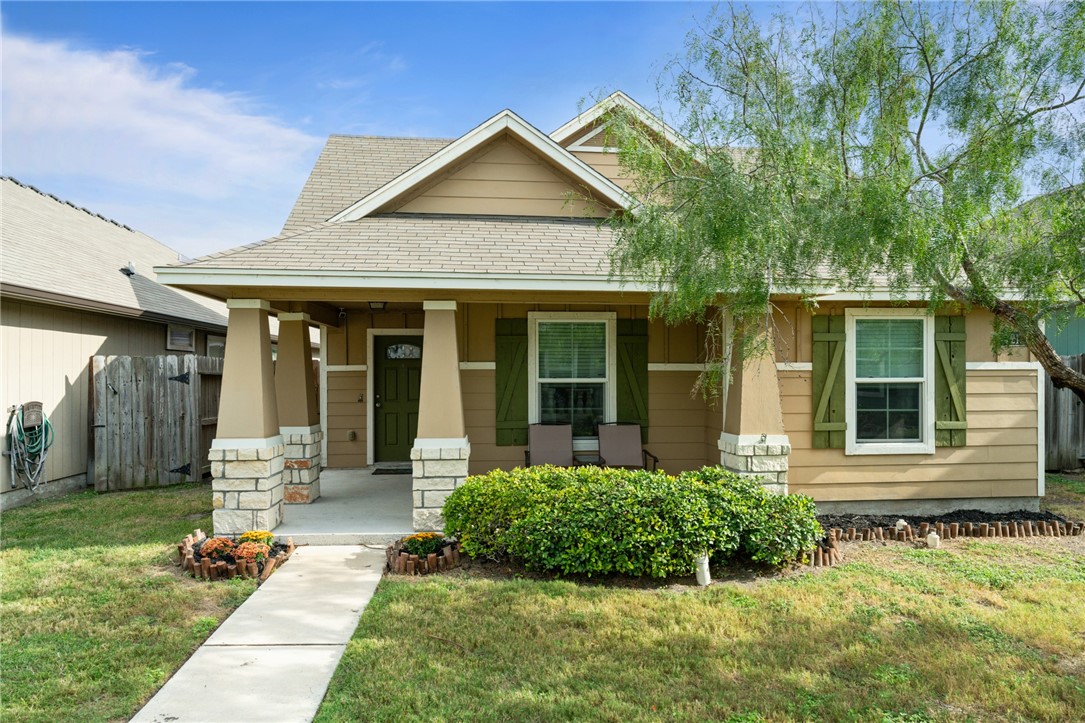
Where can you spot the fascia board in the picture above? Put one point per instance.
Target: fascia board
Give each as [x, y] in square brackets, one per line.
[505, 120]
[319, 278]
[619, 98]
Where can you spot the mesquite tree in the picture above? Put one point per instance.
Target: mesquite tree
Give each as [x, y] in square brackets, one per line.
[934, 149]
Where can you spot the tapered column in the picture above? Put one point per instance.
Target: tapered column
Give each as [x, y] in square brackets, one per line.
[753, 442]
[441, 449]
[247, 453]
[299, 419]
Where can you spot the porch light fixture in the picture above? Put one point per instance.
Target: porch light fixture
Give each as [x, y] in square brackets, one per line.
[377, 305]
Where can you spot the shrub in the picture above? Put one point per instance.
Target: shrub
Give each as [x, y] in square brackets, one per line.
[262, 536]
[595, 521]
[480, 511]
[424, 543]
[254, 551]
[217, 548]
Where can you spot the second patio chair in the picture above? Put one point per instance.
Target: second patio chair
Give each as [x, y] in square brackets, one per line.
[620, 446]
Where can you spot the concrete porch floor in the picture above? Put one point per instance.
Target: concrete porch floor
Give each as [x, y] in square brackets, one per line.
[355, 507]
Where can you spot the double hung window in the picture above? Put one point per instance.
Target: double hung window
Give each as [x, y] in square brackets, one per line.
[889, 390]
[572, 370]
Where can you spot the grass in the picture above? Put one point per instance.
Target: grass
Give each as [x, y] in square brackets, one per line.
[94, 616]
[1065, 495]
[973, 631]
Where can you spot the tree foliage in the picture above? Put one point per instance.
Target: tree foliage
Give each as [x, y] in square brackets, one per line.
[934, 149]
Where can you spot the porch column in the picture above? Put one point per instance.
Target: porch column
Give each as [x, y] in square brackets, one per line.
[247, 453]
[441, 449]
[299, 420]
[753, 443]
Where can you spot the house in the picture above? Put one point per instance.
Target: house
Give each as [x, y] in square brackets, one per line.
[74, 284]
[463, 290]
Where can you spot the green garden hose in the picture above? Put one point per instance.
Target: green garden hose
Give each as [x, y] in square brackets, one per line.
[30, 435]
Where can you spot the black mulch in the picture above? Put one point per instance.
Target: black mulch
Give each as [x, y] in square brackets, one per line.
[861, 521]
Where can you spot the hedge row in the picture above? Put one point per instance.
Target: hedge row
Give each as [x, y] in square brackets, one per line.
[592, 521]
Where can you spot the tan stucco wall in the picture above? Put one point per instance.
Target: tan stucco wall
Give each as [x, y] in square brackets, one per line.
[44, 356]
[294, 379]
[504, 178]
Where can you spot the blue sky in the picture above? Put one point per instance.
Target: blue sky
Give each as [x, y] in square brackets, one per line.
[198, 123]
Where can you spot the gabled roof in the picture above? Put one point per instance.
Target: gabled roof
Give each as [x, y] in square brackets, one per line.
[618, 99]
[352, 167]
[56, 252]
[505, 122]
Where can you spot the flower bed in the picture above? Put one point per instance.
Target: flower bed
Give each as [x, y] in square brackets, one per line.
[422, 553]
[253, 555]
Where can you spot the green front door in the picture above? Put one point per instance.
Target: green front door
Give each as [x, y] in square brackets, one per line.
[395, 398]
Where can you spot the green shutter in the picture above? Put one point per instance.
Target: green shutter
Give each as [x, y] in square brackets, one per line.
[632, 381]
[950, 417]
[510, 342]
[830, 416]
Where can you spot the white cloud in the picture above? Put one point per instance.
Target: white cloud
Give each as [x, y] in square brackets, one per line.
[144, 131]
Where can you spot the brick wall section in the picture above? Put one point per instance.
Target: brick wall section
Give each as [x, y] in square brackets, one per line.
[437, 472]
[301, 468]
[767, 461]
[247, 489]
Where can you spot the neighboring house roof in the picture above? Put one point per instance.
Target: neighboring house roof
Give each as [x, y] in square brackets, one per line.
[56, 252]
[352, 167]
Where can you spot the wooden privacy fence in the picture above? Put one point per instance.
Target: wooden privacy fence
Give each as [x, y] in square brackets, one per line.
[152, 419]
[1064, 423]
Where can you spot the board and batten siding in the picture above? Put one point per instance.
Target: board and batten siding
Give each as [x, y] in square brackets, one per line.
[999, 460]
[45, 354]
[504, 179]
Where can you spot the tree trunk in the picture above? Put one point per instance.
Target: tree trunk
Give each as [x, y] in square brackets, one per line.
[1062, 376]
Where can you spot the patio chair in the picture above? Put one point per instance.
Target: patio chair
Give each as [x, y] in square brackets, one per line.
[549, 444]
[619, 446]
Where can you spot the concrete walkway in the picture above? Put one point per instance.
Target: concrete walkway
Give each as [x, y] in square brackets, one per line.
[273, 658]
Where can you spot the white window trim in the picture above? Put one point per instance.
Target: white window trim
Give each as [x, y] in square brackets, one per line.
[926, 445]
[580, 444]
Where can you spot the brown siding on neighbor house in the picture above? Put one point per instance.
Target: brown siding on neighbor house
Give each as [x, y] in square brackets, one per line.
[46, 351]
[346, 414]
[999, 460]
[504, 179]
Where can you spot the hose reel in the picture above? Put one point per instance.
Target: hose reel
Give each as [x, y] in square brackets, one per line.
[30, 435]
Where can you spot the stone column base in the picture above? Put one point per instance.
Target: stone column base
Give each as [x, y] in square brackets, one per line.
[246, 484]
[757, 456]
[301, 473]
[437, 471]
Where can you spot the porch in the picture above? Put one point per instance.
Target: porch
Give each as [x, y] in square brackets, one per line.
[355, 507]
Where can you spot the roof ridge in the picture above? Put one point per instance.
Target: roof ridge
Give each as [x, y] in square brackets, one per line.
[63, 202]
[390, 138]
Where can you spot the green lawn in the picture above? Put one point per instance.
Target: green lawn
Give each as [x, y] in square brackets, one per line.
[974, 631]
[93, 617]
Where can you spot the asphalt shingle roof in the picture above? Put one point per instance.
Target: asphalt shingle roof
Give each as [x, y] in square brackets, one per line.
[432, 244]
[350, 168]
[50, 245]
